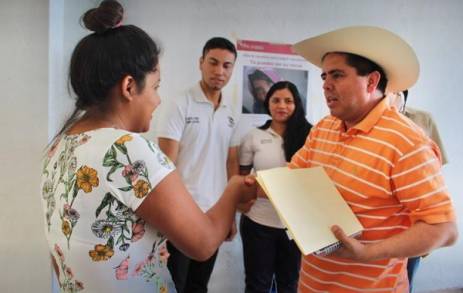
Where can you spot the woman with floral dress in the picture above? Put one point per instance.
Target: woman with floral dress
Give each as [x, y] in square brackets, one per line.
[111, 198]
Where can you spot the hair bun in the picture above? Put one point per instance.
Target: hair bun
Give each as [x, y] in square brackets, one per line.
[107, 16]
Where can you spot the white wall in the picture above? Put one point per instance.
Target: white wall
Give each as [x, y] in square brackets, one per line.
[433, 28]
[23, 130]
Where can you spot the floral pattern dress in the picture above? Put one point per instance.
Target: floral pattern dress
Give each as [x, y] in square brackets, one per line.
[91, 185]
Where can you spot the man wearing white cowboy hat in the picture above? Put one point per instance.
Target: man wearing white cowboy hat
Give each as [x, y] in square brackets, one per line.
[386, 169]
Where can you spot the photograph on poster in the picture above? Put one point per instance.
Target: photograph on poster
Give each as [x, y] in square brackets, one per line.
[260, 65]
[258, 80]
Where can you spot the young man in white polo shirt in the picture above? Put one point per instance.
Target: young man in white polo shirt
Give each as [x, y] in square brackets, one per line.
[198, 133]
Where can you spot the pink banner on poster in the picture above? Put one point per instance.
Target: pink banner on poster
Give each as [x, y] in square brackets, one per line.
[257, 46]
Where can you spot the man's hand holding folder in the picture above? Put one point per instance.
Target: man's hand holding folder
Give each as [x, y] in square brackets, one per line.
[350, 247]
[309, 204]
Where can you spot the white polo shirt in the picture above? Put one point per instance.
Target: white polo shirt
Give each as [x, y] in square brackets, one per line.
[205, 136]
[263, 149]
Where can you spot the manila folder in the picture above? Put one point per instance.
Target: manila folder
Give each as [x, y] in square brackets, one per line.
[308, 203]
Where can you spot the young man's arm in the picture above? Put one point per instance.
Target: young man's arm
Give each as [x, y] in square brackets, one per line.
[171, 126]
[245, 207]
[169, 147]
[233, 168]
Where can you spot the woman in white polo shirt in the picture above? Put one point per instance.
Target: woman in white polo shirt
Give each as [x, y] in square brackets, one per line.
[267, 250]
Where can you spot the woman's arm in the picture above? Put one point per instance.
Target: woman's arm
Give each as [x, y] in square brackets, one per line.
[171, 210]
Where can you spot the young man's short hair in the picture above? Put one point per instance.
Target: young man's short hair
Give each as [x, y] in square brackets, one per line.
[219, 43]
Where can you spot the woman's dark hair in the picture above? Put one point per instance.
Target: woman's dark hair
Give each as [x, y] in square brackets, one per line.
[297, 126]
[100, 60]
[259, 75]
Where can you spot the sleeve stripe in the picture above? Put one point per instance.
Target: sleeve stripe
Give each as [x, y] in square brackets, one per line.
[397, 121]
[295, 164]
[424, 195]
[301, 282]
[346, 273]
[414, 168]
[370, 217]
[395, 132]
[381, 217]
[339, 262]
[347, 174]
[429, 178]
[446, 202]
[371, 154]
[373, 207]
[382, 143]
[350, 190]
[354, 162]
[356, 149]
[386, 228]
[356, 289]
[424, 147]
[328, 130]
[298, 155]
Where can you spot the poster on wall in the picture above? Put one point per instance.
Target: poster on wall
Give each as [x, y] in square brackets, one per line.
[259, 66]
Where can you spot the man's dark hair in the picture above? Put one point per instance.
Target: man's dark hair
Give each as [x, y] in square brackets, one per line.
[365, 66]
[219, 43]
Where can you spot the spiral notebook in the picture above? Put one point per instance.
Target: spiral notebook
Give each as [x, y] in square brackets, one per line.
[308, 203]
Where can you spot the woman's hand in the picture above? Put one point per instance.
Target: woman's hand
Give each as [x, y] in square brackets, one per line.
[245, 186]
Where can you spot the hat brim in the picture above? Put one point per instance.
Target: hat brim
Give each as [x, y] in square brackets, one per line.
[381, 46]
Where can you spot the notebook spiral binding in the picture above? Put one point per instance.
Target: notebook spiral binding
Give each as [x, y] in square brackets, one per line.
[328, 249]
[333, 247]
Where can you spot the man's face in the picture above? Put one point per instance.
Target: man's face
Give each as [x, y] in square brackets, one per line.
[347, 94]
[261, 88]
[216, 68]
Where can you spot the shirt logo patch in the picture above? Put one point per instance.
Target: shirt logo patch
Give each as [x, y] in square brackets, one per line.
[231, 121]
[189, 120]
[265, 140]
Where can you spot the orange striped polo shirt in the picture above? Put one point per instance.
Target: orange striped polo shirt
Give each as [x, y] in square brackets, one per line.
[389, 173]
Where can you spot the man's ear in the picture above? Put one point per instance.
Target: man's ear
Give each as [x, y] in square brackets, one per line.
[201, 61]
[373, 81]
[128, 87]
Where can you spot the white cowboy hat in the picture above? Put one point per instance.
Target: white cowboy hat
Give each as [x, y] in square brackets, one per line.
[381, 46]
